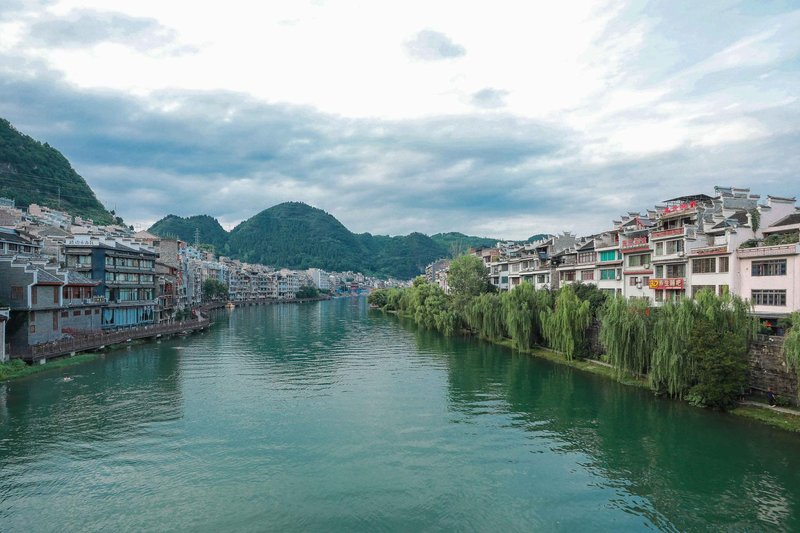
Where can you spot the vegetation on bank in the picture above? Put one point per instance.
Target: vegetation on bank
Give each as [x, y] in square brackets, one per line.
[34, 172]
[691, 349]
[18, 368]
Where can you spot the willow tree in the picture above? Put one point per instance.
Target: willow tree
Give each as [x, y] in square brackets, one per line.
[673, 367]
[626, 334]
[484, 315]
[564, 326]
[672, 364]
[522, 308]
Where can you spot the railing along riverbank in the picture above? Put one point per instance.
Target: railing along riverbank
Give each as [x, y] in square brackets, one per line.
[100, 340]
[219, 304]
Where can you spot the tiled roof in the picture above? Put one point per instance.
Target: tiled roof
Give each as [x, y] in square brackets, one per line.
[789, 220]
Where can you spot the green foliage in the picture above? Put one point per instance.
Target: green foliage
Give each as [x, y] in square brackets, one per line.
[776, 239]
[462, 243]
[522, 309]
[308, 291]
[207, 228]
[626, 334]
[590, 293]
[484, 314]
[214, 290]
[791, 342]
[565, 326]
[33, 173]
[378, 298]
[674, 364]
[467, 277]
[755, 218]
[721, 366]
[299, 236]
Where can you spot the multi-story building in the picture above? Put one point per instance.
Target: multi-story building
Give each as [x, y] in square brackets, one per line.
[126, 271]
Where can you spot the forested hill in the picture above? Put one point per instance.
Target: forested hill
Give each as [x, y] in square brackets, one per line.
[459, 243]
[207, 229]
[32, 172]
[296, 235]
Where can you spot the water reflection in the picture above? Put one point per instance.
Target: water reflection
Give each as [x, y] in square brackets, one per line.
[696, 468]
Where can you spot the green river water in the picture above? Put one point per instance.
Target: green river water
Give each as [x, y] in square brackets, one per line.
[331, 417]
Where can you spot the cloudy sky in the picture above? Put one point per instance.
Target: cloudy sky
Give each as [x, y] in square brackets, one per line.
[501, 119]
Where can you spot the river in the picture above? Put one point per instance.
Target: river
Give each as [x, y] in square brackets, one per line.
[332, 417]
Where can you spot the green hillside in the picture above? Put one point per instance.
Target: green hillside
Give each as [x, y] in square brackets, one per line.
[296, 235]
[205, 227]
[456, 242]
[32, 172]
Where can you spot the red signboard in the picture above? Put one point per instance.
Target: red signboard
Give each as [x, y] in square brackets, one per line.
[636, 242]
[661, 284]
[680, 207]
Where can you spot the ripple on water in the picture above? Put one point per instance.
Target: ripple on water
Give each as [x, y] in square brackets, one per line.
[326, 417]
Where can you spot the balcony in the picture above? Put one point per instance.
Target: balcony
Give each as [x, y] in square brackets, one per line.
[81, 302]
[769, 251]
[667, 233]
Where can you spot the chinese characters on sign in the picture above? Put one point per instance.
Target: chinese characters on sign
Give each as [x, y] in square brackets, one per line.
[667, 283]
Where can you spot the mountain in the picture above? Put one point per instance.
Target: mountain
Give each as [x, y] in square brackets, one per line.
[205, 227]
[538, 237]
[296, 235]
[36, 173]
[458, 242]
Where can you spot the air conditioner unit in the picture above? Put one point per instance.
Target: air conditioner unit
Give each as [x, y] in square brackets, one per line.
[639, 285]
[680, 254]
[646, 266]
[619, 277]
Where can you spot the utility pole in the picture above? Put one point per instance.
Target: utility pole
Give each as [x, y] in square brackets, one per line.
[196, 237]
[59, 196]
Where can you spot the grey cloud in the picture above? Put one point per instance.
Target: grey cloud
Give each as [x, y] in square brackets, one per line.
[429, 45]
[84, 27]
[230, 156]
[489, 98]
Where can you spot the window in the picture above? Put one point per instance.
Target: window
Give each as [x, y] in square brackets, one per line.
[16, 293]
[586, 257]
[676, 271]
[673, 247]
[33, 295]
[609, 255]
[633, 280]
[704, 266]
[33, 329]
[87, 312]
[724, 289]
[659, 296]
[638, 260]
[775, 267]
[608, 274]
[55, 321]
[64, 314]
[587, 275]
[659, 248]
[660, 271]
[768, 297]
[568, 276]
[77, 312]
[645, 281]
[724, 264]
